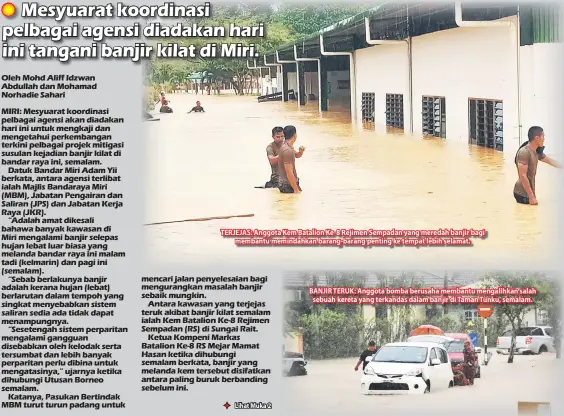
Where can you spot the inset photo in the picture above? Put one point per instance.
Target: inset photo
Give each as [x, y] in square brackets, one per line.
[533, 409]
[444, 336]
[330, 133]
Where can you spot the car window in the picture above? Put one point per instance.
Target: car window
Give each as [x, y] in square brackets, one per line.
[456, 346]
[426, 338]
[433, 354]
[524, 332]
[537, 332]
[401, 354]
[548, 331]
[443, 356]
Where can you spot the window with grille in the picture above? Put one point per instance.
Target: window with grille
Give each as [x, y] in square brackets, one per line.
[394, 110]
[368, 103]
[486, 123]
[434, 116]
[470, 315]
[381, 311]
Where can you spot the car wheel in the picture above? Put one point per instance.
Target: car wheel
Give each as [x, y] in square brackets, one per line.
[294, 370]
[451, 384]
[542, 349]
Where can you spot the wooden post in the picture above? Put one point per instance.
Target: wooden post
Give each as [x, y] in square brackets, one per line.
[301, 340]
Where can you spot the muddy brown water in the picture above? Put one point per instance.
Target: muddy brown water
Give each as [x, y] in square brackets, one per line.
[332, 387]
[204, 165]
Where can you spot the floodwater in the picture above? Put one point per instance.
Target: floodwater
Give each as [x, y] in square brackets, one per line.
[208, 164]
[332, 387]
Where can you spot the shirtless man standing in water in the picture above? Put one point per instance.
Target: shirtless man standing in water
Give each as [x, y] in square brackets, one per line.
[288, 181]
[527, 159]
[273, 154]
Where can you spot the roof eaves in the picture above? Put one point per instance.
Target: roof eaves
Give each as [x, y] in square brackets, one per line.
[349, 21]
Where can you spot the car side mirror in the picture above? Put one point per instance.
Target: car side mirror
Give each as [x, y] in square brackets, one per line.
[478, 350]
[369, 358]
[435, 361]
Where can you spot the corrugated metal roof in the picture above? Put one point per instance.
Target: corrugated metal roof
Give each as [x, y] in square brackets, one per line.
[547, 23]
[387, 10]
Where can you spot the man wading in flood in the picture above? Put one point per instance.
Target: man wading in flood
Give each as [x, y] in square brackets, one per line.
[370, 351]
[288, 181]
[273, 151]
[526, 160]
[197, 109]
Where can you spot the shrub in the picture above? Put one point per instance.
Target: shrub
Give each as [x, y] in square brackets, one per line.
[329, 334]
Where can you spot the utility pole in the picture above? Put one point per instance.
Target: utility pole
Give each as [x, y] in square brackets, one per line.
[485, 358]
[445, 286]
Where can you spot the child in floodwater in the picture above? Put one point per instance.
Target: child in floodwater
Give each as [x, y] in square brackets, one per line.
[164, 104]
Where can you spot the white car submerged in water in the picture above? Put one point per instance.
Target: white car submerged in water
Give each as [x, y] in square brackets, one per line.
[407, 368]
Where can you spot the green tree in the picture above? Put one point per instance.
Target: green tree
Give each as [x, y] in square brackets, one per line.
[295, 309]
[283, 24]
[400, 316]
[331, 334]
[303, 20]
[515, 313]
[550, 301]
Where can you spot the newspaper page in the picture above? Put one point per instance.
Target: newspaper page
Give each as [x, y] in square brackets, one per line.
[280, 208]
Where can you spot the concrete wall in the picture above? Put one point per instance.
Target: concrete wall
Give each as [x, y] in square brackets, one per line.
[541, 98]
[533, 409]
[292, 343]
[338, 98]
[265, 86]
[293, 81]
[369, 312]
[382, 70]
[531, 318]
[312, 83]
[269, 85]
[290, 295]
[464, 63]
[467, 63]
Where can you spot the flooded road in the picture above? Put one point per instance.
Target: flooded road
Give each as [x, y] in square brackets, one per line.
[332, 387]
[203, 165]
